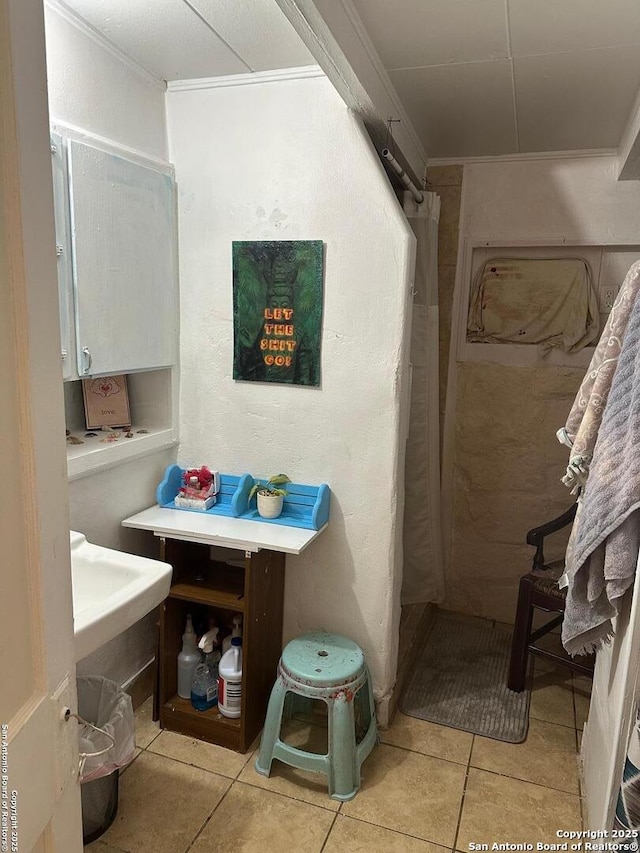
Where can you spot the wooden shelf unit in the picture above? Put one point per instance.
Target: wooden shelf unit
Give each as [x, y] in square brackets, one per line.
[255, 589]
[247, 577]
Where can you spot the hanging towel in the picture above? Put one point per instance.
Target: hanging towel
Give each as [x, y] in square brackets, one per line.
[603, 548]
[581, 430]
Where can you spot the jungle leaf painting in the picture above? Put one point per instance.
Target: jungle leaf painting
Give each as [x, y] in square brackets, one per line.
[277, 311]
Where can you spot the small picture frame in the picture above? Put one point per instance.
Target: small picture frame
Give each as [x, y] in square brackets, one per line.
[106, 401]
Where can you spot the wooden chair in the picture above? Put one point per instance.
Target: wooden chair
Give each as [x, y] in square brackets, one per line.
[539, 589]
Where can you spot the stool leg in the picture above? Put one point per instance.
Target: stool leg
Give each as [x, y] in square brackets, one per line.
[344, 773]
[271, 731]
[520, 642]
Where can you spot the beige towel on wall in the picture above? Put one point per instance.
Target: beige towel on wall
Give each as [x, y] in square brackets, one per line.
[547, 301]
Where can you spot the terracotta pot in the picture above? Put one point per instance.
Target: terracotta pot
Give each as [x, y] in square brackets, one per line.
[269, 506]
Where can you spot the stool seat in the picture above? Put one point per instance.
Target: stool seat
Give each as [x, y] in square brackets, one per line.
[324, 660]
[330, 668]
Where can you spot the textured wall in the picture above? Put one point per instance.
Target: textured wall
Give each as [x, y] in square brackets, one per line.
[91, 88]
[286, 160]
[507, 472]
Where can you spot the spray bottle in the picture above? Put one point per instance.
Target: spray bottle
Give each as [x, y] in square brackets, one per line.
[204, 687]
[188, 660]
[237, 632]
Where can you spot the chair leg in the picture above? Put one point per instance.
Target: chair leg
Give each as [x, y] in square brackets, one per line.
[520, 642]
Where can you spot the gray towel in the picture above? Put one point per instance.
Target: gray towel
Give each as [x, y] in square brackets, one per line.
[603, 549]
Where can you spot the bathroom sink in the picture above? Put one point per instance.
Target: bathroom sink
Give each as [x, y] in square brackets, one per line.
[112, 590]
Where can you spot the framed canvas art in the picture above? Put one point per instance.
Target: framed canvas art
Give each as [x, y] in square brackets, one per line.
[277, 311]
[106, 401]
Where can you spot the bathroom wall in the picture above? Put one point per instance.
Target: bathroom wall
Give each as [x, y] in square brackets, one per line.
[286, 160]
[92, 88]
[95, 88]
[502, 460]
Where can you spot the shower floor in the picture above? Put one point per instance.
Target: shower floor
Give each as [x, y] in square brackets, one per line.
[459, 679]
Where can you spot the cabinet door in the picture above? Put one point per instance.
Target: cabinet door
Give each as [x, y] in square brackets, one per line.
[124, 263]
[63, 251]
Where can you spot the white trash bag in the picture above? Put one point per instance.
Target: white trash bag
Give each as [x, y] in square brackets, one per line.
[109, 743]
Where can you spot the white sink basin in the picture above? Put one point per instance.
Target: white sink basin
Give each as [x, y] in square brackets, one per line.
[112, 590]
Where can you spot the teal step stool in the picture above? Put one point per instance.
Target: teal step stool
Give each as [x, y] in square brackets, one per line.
[331, 668]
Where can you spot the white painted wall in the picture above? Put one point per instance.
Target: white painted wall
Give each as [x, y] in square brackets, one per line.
[549, 198]
[92, 88]
[286, 160]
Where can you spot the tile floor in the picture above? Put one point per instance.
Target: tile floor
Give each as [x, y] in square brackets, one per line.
[425, 788]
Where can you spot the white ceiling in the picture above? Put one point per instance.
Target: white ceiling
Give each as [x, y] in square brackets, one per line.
[186, 39]
[482, 77]
[477, 77]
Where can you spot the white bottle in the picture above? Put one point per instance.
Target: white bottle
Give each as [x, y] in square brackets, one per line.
[237, 632]
[188, 660]
[230, 680]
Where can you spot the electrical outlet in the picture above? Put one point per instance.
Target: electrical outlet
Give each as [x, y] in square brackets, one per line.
[607, 298]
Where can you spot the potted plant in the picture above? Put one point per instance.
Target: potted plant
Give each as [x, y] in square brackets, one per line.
[270, 496]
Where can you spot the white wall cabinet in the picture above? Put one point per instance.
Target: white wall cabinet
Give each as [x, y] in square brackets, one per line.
[116, 239]
[63, 252]
[116, 246]
[123, 239]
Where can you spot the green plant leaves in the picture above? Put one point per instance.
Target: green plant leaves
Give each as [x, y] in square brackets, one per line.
[278, 480]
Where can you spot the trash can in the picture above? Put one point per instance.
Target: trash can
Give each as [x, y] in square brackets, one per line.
[106, 741]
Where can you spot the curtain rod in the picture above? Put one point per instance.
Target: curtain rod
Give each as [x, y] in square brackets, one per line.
[405, 180]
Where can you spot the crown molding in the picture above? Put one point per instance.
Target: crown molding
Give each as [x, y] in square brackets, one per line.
[280, 75]
[578, 154]
[76, 20]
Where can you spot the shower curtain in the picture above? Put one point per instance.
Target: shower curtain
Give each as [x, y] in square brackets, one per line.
[423, 578]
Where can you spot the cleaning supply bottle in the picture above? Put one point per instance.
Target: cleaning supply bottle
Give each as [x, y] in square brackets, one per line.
[188, 660]
[237, 632]
[204, 687]
[230, 680]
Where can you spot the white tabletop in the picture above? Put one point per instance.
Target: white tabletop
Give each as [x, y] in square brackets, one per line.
[221, 530]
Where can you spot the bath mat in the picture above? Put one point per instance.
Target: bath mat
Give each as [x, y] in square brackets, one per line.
[460, 680]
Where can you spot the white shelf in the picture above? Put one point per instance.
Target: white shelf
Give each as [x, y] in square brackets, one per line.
[153, 401]
[210, 529]
[94, 456]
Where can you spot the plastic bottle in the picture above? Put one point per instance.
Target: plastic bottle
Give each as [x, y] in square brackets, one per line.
[204, 687]
[237, 632]
[188, 660]
[230, 680]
